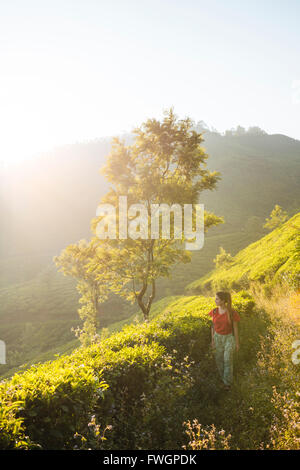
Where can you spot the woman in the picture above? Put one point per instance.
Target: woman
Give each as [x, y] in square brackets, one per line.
[225, 336]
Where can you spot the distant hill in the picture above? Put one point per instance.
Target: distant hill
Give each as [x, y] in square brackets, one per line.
[49, 201]
[257, 172]
[274, 258]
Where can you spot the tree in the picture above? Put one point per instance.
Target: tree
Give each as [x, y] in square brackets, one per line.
[165, 164]
[240, 131]
[255, 130]
[223, 258]
[75, 261]
[277, 217]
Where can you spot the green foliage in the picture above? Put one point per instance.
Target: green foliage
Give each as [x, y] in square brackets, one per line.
[277, 217]
[223, 258]
[161, 376]
[152, 368]
[55, 400]
[285, 428]
[49, 303]
[12, 435]
[75, 261]
[165, 165]
[264, 406]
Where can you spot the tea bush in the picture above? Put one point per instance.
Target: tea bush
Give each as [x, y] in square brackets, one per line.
[140, 384]
[54, 399]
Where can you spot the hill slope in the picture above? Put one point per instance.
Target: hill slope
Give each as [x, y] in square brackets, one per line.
[141, 386]
[59, 194]
[273, 258]
[56, 399]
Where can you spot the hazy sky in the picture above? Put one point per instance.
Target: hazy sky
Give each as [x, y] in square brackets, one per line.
[72, 70]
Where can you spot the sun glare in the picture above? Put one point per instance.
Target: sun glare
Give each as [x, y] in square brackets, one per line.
[24, 135]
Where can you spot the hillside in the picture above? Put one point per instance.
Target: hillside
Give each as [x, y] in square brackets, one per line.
[154, 386]
[126, 360]
[36, 316]
[273, 258]
[59, 193]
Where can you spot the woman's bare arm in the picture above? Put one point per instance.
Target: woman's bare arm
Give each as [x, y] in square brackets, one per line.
[236, 335]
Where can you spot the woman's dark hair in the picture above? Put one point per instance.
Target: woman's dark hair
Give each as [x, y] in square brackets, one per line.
[226, 298]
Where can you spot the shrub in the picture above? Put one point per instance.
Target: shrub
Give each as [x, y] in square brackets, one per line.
[206, 437]
[55, 401]
[139, 365]
[160, 374]
[11, 428]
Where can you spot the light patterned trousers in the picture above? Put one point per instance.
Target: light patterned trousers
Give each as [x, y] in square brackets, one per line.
[225, 345]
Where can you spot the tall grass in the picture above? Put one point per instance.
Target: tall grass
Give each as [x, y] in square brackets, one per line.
[280, 301]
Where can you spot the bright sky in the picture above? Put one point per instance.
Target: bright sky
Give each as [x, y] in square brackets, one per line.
[72, 70]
